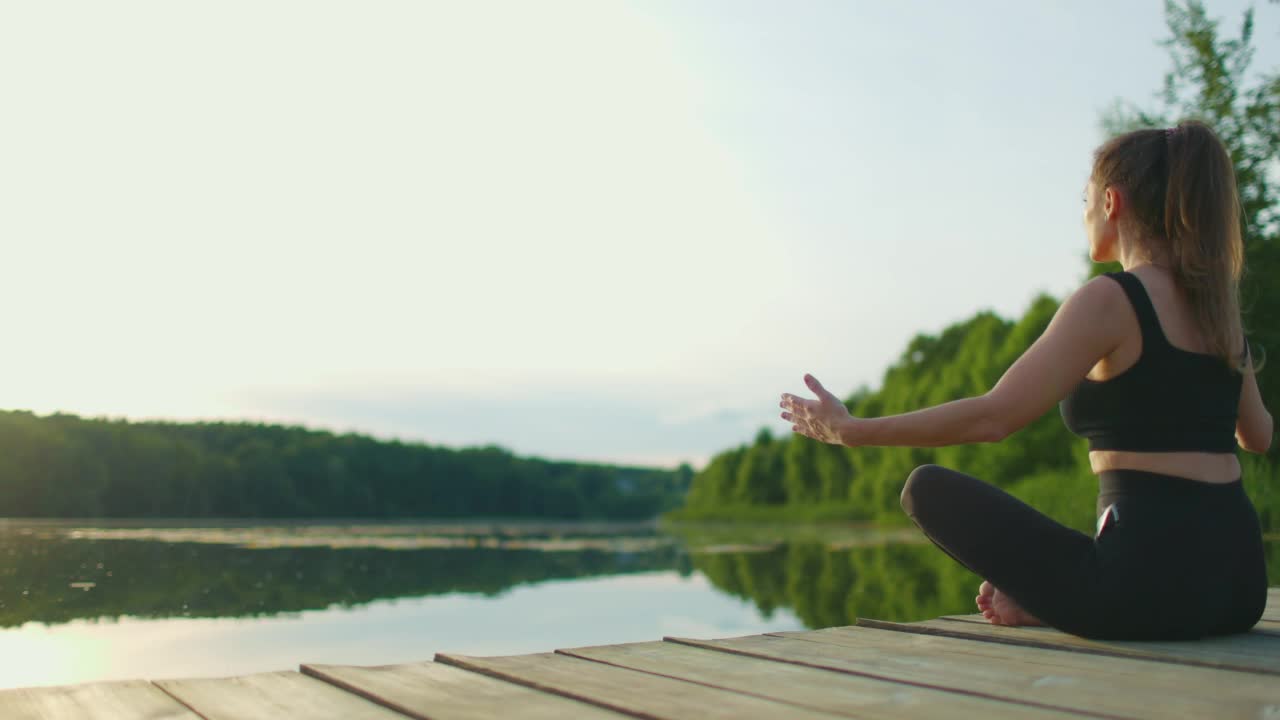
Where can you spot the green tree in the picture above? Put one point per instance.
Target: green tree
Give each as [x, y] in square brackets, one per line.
[759, 475]
[63, 465]
[800, 472]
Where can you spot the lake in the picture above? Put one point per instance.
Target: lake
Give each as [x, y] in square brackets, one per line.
[93, 600]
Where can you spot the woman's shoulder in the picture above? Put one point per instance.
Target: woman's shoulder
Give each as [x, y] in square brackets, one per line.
[1102, 293]
[1100, 307]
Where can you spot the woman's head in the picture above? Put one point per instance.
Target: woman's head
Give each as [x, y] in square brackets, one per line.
[1171, 194]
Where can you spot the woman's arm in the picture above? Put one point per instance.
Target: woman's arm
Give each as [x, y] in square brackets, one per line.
[1254, 427]
[968, 420]
[1087, 327]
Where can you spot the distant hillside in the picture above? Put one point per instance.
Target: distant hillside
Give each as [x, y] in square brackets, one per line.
[67, 466]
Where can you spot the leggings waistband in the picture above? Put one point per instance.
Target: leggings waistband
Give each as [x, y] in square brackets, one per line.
[1141, 482]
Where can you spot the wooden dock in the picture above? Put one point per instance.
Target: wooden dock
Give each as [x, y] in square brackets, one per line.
[957, 666]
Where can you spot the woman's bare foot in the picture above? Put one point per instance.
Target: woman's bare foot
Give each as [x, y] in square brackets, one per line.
[1000, 609]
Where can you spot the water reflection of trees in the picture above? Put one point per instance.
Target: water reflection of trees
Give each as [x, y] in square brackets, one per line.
[825, 583]
[827, 587]
[159, 580]
[42, 579]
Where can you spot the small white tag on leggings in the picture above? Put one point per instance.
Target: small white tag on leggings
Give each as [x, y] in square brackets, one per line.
[1111, 514]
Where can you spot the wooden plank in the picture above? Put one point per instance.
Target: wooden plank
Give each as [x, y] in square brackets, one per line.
[1268, 627]
[1068, 681]
[628, 691]
[1086, 659]
[1264, 625]
[131, 700]
[838, 693]
[432, 691]
[273, 696]
[1203, 679]
[1247, 652]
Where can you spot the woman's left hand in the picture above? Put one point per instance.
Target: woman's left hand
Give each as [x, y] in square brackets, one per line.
[820, 419]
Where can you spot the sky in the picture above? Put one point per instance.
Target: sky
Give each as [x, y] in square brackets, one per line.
[580, 229]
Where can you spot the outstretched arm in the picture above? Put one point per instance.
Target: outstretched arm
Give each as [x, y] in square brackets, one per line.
[1086, 328]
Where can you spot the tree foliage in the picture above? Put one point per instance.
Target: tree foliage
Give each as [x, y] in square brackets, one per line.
[66, 466]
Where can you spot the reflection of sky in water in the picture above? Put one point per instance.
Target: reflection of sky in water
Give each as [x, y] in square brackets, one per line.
[526, 619]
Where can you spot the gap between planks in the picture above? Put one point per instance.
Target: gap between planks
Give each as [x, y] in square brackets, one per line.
[823, 689]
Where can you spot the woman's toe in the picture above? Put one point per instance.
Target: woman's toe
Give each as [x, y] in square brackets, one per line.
[985, 592]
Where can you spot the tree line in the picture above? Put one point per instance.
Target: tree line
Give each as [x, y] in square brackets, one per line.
[66, 466]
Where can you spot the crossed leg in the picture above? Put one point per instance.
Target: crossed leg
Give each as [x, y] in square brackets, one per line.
[1035, 570]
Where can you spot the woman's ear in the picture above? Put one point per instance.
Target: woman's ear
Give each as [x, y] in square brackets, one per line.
[1112, 203]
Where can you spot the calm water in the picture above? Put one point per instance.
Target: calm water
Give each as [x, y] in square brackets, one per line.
[83, 602]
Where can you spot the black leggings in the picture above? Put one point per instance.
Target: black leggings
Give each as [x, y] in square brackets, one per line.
[1176, 558]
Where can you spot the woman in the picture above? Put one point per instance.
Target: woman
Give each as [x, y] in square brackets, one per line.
[1151, 365]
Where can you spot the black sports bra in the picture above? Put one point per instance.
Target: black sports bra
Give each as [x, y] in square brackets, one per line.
[1169, 400]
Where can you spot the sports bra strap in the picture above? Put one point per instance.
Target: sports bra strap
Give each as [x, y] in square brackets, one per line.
[1147, 319]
